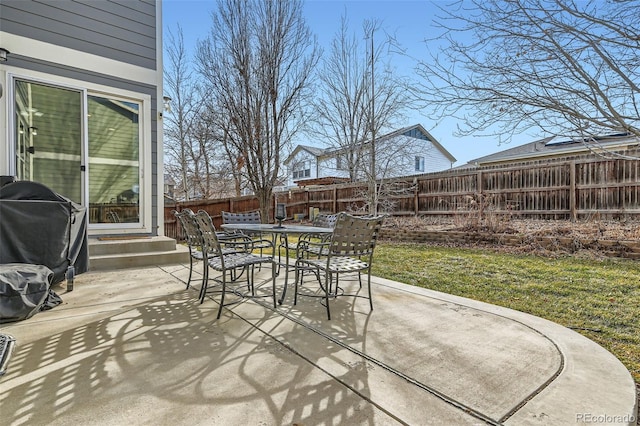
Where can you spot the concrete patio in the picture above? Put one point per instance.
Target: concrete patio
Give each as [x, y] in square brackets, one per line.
[134, 347]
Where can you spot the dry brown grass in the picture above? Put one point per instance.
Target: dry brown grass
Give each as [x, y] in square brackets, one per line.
[609, 230]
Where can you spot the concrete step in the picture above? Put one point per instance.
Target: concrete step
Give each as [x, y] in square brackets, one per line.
[122, 245]
[110, 254]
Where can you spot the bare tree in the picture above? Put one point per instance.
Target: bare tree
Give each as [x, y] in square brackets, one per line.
[341, 119]
[394, 157]
[360, 94]
[191, 145]
[212, 175]
[558, 67]
[181, 87]
[257, 63]
[349, 108]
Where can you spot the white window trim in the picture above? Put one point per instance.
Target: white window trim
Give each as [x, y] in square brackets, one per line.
[301, 167]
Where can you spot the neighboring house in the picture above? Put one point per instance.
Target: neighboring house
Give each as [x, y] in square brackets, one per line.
[559, 147]
[404, 152]
[81, 106]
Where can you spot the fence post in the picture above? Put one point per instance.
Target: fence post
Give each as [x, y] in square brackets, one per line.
[479, 190]
[415, 197]
[335, 199]
[573, 213]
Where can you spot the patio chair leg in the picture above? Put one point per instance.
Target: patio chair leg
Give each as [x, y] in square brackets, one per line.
[273, 282]
[370, 296]
[326, 293]
[190, 268]
[203, 291]
[224, 286]
[295, 287]
[234, 275]
[335, 290]
[205, 272]
[251, 280]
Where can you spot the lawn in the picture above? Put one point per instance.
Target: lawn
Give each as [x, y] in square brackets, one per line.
[597, 298]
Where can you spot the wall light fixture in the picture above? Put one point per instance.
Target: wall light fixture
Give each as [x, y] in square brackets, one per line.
[3, 54]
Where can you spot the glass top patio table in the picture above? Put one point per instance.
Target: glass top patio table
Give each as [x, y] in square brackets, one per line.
[284, 229]
[276, 230]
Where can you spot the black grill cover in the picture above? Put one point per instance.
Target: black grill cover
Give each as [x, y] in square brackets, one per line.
[23, 290]
[41, 227]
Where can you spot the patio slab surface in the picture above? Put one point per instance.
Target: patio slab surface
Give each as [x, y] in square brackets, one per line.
[135, 347]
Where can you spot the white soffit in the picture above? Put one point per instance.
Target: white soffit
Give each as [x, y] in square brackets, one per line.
[61, 55]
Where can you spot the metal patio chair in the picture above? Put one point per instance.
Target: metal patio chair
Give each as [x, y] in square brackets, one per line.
[322, 220]
[193, 238]
[195, 243]
[350, 250]
[228, 262]
[248, 217]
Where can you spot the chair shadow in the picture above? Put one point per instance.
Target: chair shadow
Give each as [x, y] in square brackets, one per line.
[346, 331]
[172, 349]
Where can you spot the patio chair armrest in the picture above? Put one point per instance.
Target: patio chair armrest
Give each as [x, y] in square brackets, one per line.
[260, 243]
[237, 242]
[315, 248]
[314, 238]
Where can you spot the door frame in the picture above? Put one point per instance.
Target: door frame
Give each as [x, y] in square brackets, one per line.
[84, 191]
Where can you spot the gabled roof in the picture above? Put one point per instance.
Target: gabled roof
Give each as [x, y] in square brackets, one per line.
[555, 146]
[316, 152]
[319, 152]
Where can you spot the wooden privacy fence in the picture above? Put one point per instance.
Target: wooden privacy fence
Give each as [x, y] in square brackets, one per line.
[572, 189]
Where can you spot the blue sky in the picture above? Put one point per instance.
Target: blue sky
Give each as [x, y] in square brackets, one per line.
[410, 21]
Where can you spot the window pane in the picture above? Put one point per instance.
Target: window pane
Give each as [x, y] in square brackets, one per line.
[114, 163]
[49, 137]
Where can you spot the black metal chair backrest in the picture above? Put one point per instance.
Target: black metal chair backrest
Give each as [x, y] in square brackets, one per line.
[247, 217]
[192, 235]
[355, 236]
[189, 227]
[242, 218]
[208, 232]
[325, 220]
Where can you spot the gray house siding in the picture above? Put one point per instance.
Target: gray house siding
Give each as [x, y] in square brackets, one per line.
[119, 30]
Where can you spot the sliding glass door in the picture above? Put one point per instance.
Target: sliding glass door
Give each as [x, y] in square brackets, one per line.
[49, 137]
[114, 160]
[84, 146]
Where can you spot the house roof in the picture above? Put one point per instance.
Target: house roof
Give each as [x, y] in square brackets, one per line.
[555, 146]
[433, 140]
[319, 152]
[315, 151]
[327, 180]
